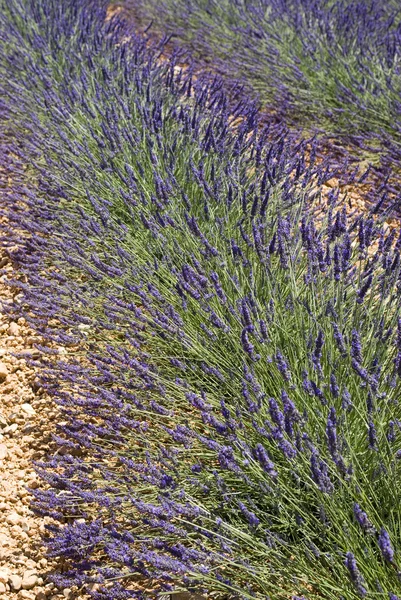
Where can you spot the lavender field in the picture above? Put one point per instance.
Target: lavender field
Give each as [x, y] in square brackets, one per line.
[204, 211]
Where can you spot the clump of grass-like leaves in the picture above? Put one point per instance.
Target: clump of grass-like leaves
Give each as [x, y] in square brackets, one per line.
[233, 419]
[331, 64]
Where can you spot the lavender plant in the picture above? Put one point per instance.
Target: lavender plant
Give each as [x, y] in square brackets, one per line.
[232, 422]
[333, 65]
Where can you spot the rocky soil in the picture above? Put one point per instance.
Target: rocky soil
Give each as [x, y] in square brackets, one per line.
[27, 418]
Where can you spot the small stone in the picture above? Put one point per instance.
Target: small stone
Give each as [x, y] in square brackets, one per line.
[13, 518]
[13, 329]
[28, 409]
[3, 451]
[2, 588]
[29, 580]
[29, 428]
[332, 183]
[26, 595]
[15, 582]
[25, 526]
[31, 564]
[11, 428]
[67, 593]
[3, 371]
[4, 577]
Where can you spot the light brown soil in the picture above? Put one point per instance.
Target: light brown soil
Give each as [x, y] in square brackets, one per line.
[27, 418]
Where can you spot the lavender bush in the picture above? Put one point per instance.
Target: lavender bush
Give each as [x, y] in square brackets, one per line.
[331, 64]
[232, 417]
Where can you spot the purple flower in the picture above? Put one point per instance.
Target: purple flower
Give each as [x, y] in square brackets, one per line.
[397, 360]
[285, 446]
[356, 347]
[337, 263]
[355, 574]
[362, 519]
[317, 354]
[318, 393]
[291, 415]
[262, 456]
[247, 344]
[346, 402]
[372, 435]
[385, 545]
[173, 230]
[263, 329]
[320, 473]
[276, 414]
[391, 433]
[283, 366]
[331, 432]
[363, 290]
[283, 232]
[338, 337]
[246, 315]
[250, 516]
[335, 390]
[346, 253]
[198, 402]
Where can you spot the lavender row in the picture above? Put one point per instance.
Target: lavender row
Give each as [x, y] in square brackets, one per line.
[231, 419]
[331, 65]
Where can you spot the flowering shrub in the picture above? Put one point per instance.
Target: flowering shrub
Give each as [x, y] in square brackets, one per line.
[232, 421]
[332, 64]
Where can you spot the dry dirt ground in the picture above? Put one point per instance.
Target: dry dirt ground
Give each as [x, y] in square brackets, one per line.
[27, 418]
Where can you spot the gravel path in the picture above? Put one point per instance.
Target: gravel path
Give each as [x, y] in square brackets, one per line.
[27, 417]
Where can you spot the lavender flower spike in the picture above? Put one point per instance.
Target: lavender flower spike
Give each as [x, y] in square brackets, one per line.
[356, 347]
[385, 545]
[355, 574]
[362, 519]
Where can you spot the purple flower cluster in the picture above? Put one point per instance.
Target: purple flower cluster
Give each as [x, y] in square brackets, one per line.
[355, 575]
[215, 419]
[362, 518]
[331, 66]
[385, 545]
